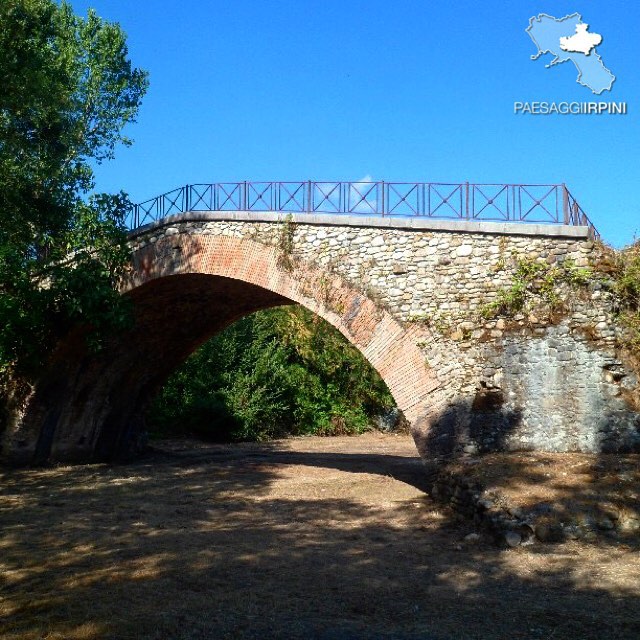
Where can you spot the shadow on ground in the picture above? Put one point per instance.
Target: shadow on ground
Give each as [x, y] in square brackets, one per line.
[264, 541]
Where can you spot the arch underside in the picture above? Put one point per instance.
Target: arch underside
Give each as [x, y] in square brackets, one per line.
[95, 405]
[183, 291]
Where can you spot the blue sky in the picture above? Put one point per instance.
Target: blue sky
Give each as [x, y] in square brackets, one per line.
[409, 90]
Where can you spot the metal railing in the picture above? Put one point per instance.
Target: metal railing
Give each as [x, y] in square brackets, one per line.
[533, 203]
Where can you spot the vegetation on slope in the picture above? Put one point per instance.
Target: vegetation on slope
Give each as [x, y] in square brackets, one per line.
[627, 289]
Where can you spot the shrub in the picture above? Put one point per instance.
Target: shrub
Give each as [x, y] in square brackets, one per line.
[278, 372]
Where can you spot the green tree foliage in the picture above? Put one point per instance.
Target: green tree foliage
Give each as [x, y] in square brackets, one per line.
[276, 372]
[67, 91]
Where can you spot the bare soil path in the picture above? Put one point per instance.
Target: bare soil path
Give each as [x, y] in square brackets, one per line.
[308, 538]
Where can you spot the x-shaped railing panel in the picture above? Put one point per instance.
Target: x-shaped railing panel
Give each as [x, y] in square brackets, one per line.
[490, 202]
[540, 203]
[201, 197]
[229, 196]
[363, 197]
[291, 196]
[403, 199]
[439, 197]
[260, 196]
[173, 202]
[326, 197]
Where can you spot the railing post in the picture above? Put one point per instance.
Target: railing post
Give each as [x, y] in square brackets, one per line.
[245, 199]
[467, 200]
[186, 198]
[565, 204]
[512, 213]
[382, 198]
[426, 202]
[309, 197]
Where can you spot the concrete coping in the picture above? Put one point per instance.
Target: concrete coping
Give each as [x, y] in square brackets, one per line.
[390, 222]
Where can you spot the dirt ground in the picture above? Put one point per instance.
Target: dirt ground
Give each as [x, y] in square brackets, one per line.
[308, 538]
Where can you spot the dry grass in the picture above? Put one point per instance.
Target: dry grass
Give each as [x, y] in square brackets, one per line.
[304, 538]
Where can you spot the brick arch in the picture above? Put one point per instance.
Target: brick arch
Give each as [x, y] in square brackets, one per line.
[185, 288]
[389, 347]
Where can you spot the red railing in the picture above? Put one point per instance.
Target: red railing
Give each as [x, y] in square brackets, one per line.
[533, 203]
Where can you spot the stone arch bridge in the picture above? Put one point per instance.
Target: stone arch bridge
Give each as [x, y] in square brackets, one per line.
[410, 290]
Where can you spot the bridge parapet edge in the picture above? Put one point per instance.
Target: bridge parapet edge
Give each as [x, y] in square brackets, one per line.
[358, 220]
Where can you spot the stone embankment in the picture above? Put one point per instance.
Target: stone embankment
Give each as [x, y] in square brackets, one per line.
[518, 505]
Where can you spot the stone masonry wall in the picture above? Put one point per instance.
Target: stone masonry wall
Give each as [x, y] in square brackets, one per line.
[549, 382]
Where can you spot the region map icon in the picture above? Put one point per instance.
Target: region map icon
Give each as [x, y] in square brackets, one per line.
[569, 39]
